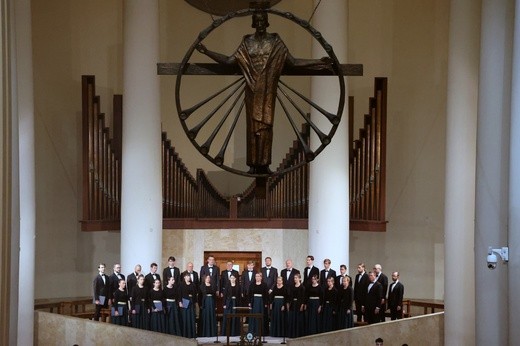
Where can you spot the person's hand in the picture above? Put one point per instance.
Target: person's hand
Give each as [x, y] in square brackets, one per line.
[327, 60]
[201, 48]
[398, 308]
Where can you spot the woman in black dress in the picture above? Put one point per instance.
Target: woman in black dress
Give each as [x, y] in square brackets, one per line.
[330, 297]
[313, 302]
[345, 298]
[157, 323]
[140, 304]
[171, 292]
[257, 301]
[208, 314]
[187, 299]
[120, 305]
[279, 299]
[231, 297]
[296, 308]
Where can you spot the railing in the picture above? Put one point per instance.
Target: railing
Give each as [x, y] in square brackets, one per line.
[367, 172]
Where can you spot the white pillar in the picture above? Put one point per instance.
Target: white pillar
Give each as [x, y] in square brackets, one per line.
[25, 110]
[141, 195]
[491, 205]
[328, 182]
[461, 127]
[11, 157]
[513, 302]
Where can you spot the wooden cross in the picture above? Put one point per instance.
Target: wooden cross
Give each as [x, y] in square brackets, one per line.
[205, 69]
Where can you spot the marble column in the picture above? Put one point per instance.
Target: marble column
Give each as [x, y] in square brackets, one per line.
[491, 205]
[514, 188]
[328, 181]
[9, 238]
[25, 109]
[461, 128]
[141, 198]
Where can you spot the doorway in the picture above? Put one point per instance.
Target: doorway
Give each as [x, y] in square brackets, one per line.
[239, 259]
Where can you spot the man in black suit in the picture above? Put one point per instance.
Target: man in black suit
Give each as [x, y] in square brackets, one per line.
[150, 278]
[326, 273]
[224, 277]
[170, 271]
[193, 275]
[360, 289]
[309, 271]
[383, 280]
[372, 307]
[288, 273]
[342, 274]
[395, 297]
[114, 279]
[101, 287]
[131, 280]
[213, 271]
[269, 274]
[248, 276]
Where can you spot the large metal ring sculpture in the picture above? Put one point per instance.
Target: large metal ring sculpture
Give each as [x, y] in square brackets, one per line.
[232, 99]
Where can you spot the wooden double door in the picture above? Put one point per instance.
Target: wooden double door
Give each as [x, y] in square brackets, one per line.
[239, 259]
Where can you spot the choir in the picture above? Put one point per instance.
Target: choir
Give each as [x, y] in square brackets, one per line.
[290, 308]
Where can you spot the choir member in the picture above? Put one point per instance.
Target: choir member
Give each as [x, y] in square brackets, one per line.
[313, 297]
[208, 315]
[157, 323]
[278, 305]
[187, 299]
[257, 301]
[102, 294]
[120, 305]
[139, 304]
[296, 309]
[345, 299]
[328, 310]
[231, 298]
[171, 293]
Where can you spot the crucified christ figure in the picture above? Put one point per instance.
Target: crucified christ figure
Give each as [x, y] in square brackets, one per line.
[262, 57]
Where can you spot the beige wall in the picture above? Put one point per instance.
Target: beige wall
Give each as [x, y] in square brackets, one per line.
[403, 40]
[70, 38]
[422, 330]
[54, 329]
[406, 41]
[189, 245]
